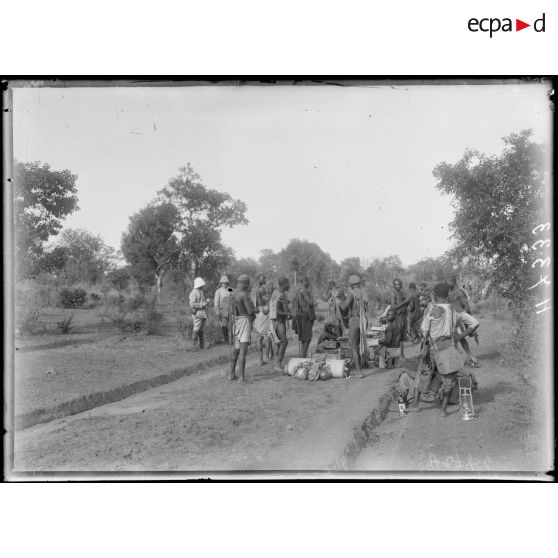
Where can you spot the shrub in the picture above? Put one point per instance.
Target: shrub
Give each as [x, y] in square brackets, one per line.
[119, 278]
[153, 319]
[65, 323]
[130, 323]
[27, 322]
[135, 302]
[95, 297]
[212, 330]
[184, 324]
[30, 292]
[29, 299]
[529, 346]
[72, 298]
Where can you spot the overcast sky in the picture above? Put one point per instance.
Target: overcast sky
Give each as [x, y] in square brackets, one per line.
[347, 167]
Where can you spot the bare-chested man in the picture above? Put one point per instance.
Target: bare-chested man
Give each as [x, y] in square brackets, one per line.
[280, 314]
[356, 303]
[243, 317]
[306, 316]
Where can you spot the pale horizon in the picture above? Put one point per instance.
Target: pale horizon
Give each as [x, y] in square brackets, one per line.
[349, 168]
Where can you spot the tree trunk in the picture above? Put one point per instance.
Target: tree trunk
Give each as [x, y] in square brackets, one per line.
[158, 277]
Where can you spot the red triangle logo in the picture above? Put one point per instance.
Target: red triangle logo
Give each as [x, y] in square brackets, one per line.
[519, 25]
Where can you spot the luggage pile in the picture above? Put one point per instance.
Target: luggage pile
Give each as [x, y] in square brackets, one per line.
[317, 367]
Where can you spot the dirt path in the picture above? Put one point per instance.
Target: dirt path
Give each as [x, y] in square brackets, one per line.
[506, 434]
[45, 378]
[204, 423]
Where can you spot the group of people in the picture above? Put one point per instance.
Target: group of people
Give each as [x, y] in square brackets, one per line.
[419, 315]
[445, 326]
[264, 309]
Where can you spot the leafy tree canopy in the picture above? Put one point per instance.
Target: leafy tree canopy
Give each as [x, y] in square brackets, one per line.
[498, 202]
[150, 244]
[86, 255]
[42, 199]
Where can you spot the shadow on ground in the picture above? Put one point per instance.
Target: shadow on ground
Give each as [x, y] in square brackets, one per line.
[487, 395]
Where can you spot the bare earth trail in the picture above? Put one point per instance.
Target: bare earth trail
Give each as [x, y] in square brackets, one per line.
[505, 435]
[203, 423]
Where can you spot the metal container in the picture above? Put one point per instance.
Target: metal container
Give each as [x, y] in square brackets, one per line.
[401, 405]
[466, 408]
[339, 368]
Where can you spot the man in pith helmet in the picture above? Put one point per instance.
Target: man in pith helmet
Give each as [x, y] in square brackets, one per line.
[221, 305]
[198, 305]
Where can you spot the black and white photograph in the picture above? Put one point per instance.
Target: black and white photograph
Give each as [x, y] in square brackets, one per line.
[278, 279]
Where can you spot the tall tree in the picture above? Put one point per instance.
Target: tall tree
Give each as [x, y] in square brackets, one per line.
[432, 269]
[248, 266]
[42, 199]
[382, 271]
[87, 257]
[203, 213]
[499, 200]
[150, 244]
[301, 257]
[269, 263]
[350, 266]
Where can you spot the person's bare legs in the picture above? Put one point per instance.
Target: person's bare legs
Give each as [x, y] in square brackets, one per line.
[354, 341]
[242, 360]
[281, 331]
[416, 400]
[260, 345]
[445, 399]
[402, 351]
[234, 357]
[268, 344]
[304, 348]
[401, 322]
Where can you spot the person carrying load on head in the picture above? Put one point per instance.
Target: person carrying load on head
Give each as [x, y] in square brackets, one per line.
[244, 315]
[260, 299]
[221, 305]
[440, 328]
[279, 315]
[357, 304]
[198, 305]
